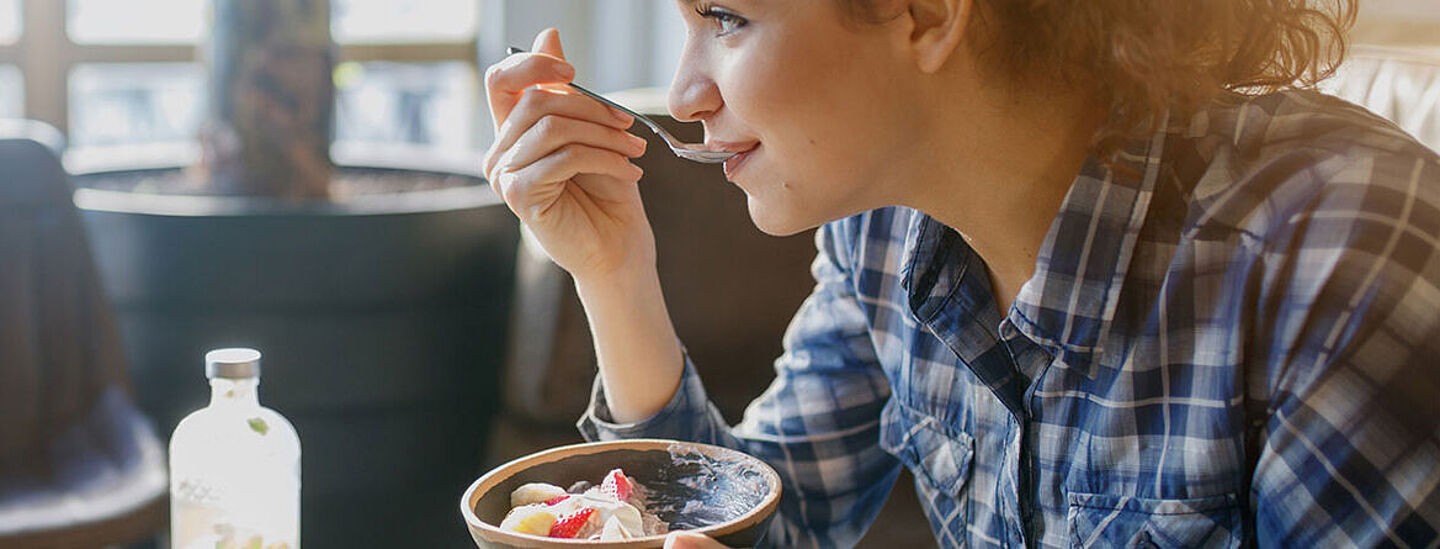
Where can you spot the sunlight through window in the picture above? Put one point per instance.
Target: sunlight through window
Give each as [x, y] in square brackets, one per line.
[12, 92]
[9, 21]
[136, 21]
[402, 21]
[124, 103]
[428, 101]
[427, 105]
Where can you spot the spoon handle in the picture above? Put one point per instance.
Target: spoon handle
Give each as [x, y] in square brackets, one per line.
[512, 50]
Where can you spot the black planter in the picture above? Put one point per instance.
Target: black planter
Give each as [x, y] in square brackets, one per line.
[382, 321]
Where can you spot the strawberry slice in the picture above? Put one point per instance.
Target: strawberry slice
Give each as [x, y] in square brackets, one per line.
[616, 485]
[557, 499]
[569, 525]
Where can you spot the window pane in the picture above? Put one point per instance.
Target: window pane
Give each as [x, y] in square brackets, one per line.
[9, 21]
[396, 21]
[136, 21]
[121, 104]
[12, 92]
[423, 104]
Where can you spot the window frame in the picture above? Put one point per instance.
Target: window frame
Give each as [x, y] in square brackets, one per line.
[45, 55]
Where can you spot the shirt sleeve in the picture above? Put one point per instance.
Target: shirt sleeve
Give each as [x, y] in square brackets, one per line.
[1348, 449]
[817, 424]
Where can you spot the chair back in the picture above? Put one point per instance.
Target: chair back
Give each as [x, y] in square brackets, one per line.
[59, 346]
[1402, 85]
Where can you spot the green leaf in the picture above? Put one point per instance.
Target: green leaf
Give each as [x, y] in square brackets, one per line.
[258, 425]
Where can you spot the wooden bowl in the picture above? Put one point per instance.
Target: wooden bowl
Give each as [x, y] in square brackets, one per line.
[736, 493]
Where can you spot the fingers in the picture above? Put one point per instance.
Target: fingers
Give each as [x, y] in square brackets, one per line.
[548, 42]
[507, 80]
[546, 137]
[689, 540]
[532, 189]
[550, 113]
[555, 132]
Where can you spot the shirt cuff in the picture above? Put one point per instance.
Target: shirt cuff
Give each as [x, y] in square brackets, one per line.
[682, 418]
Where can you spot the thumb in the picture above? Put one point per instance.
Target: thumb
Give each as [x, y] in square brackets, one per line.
[689, 540]
[548, 42]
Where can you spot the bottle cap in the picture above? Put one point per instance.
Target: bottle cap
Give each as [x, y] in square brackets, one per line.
[236, 363]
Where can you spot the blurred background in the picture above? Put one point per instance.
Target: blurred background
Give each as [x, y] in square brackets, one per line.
[116, 73]
[455, 345]
[125, 73]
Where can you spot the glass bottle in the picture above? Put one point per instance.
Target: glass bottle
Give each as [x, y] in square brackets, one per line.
[234, 465]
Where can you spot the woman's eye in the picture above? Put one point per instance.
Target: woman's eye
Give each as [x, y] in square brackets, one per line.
[725, 21]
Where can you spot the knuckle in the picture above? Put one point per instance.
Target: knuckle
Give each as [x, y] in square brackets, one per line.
[548, 124]
[535, 98]
[492, 76]
[512, 190]
[526, 101]
[572, 152]
[487, 160]
[534, 102]
[495, 163]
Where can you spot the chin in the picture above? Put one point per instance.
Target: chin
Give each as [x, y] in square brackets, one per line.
[778, 223]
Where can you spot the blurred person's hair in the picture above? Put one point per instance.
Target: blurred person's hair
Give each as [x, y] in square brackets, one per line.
[1146, 57]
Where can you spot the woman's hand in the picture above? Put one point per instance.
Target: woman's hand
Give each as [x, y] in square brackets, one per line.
[689, 540]
[561, 162]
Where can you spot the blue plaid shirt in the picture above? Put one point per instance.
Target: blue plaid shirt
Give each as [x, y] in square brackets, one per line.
[1231, 337]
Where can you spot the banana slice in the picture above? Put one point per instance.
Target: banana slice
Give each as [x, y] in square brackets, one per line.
[535, 492]
[529, 520]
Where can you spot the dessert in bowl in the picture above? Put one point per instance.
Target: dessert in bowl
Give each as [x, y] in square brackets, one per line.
[718, 492]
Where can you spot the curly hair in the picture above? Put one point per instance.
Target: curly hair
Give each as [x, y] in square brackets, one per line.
[1146, 57]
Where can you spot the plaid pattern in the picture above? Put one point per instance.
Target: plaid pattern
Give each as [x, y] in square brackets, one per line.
[1230, 338]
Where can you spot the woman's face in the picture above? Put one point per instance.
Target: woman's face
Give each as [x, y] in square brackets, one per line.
[820, 106]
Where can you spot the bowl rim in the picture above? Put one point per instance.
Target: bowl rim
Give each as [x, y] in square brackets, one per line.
[494, 477]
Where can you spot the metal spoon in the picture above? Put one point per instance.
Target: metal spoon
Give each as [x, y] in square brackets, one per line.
[689, 151]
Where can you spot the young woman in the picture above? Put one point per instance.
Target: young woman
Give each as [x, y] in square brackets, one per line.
[1093, 271]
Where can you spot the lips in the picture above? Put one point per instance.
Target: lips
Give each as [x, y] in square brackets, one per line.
[742, 153]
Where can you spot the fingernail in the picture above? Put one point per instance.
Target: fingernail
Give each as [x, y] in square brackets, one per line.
[565, 71]
[621, 116]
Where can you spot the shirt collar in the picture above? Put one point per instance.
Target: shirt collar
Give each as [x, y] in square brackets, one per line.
[1070, 301]
[948, 292]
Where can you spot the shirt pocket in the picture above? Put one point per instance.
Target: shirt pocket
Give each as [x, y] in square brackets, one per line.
[935, 452]
[1120, 521]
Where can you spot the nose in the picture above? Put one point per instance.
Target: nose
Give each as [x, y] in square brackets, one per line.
[693, 94]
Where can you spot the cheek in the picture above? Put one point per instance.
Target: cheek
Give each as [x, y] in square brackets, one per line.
[831, 130]
[829, 160]
[818, 119]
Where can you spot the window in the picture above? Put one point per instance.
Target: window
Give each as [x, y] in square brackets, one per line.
[124, 73]
[9, 21]
[12, 92]
[408, 95]
[413, 21]
[135, 21]
[418, 104]
[135, 103]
